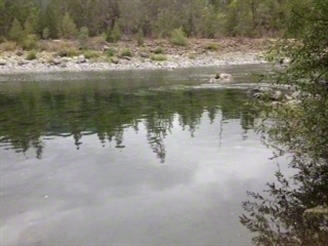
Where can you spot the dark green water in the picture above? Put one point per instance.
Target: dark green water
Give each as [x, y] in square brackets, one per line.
[127, 158]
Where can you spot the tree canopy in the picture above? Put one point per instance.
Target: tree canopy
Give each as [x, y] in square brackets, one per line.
[155, 18]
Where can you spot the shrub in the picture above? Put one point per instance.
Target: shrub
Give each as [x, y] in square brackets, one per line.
[45, 33]
[126, 52]
[8, 46]
[140, 38]
[83, 37]
[114, 60]
[68, 28]
[178, 37]
[31, 55]
[53, 46]
[62, 48]
[110, 52]
[30, 42]
[97, 43]
[29, 25]
[158, 50]
[68, 52]
[114, 35]
[158, 57]
[88, 54]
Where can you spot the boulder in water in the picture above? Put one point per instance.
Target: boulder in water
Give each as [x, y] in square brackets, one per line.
[221, 77]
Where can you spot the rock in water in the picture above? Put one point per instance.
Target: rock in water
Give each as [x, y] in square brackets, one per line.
[224, 76]
[221, 77]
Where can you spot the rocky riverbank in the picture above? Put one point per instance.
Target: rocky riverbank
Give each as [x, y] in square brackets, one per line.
[152, 55]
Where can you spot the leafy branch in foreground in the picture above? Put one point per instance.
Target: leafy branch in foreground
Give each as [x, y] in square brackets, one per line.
[283, 214]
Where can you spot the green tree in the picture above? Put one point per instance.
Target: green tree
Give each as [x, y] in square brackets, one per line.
[154, 17]
[208, 26]
[14, 9]
[130, 21]
[68, 28]
[178, 37]
[31, 22]
[83, 36]
[107, 14]
[307, 72]
[255, 17]
[45, 33]
[49, 21]
[114, 34]
[301, 130]
[165, 23]
[16, 32]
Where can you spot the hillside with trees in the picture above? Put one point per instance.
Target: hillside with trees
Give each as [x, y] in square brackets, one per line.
[117, 19]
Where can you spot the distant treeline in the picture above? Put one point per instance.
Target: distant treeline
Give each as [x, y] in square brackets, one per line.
[116, 19]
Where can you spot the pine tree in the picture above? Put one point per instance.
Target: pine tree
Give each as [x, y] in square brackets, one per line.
[16, 32]
[68, 28]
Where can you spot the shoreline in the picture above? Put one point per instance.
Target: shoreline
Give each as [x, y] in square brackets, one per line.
[231, 52]
[172, 62]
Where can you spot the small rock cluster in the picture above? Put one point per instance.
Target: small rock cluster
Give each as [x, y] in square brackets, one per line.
[275, 95]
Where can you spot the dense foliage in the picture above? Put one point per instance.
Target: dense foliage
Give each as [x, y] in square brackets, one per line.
[151, 18]
[293, 210]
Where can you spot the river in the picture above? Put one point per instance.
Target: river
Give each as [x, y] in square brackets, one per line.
[128, 158]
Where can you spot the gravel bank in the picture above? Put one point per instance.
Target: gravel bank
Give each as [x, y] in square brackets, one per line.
[198, 53]
[14, 65]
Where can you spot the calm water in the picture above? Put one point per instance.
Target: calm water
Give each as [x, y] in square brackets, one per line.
[127, 158]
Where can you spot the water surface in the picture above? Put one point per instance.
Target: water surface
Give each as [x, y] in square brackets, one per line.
[127, 158]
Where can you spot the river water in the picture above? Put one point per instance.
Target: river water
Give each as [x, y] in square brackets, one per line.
[128, 158]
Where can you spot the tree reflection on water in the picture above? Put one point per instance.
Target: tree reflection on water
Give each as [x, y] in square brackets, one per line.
[30, 112]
